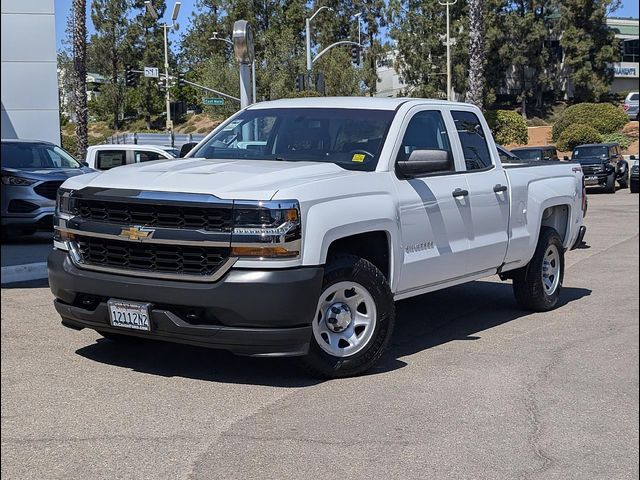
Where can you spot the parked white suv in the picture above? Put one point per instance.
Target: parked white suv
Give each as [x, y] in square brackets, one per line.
[107, 156]
[295, 225]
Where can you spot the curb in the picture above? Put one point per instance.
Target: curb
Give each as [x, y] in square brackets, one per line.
[24, 273]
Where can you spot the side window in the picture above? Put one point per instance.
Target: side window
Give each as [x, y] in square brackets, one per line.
[107, 159]
[146, 156]
[472, 138]
[426, 131]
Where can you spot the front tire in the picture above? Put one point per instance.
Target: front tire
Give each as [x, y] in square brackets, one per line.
[354, 319]
[537, 286]
[610, 187]
[634, 187]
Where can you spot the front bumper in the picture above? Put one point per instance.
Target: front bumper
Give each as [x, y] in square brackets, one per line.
[248, 312]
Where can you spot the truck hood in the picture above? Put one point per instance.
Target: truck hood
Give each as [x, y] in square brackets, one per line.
[226, 179]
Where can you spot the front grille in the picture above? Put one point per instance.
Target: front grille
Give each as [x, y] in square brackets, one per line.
[216, 218]
[48, 189]
[150, 257]
[591, 169]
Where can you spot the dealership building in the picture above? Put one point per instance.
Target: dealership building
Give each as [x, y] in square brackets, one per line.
[626, 72]
[29, 81]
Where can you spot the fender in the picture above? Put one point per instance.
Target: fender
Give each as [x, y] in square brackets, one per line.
[330, 220]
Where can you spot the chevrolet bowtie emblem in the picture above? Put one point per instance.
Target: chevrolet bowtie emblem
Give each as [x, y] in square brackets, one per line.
[137, 233]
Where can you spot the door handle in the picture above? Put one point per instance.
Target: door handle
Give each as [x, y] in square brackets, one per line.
[458, 192]
[500, 188]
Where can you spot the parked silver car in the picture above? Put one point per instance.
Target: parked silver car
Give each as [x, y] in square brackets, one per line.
[631, 105]
[32, 171]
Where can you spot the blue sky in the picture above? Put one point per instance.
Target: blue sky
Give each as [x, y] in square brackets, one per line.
[629, 9]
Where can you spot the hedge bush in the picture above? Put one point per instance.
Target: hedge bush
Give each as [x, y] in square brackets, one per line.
[508, 127]
[577, 134]
[619, 138]
[605, 118]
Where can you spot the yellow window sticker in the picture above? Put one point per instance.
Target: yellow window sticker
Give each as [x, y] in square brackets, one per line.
[358, 157]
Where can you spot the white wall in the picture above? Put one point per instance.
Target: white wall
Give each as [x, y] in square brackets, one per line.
[29, 80]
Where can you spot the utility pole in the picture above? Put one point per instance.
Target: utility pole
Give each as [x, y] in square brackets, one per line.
[449, 92]
[166, 27]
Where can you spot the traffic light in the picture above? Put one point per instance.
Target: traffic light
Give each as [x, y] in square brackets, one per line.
[130, 78]
[621, 48]
[181, 83]
[300, 83]
[355, 55]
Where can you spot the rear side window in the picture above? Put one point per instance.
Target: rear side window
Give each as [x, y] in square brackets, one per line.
[147, 156]
[473, 140]
[107, 159]
[426, 131]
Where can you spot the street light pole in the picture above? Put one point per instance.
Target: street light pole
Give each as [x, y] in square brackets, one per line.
[166, 27]
[449, 93]
[308, 34]
[167, 98]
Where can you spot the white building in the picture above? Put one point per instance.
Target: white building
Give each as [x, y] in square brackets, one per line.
[29, 85]
[626, 72]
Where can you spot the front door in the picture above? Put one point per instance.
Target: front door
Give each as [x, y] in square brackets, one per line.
[434, 238]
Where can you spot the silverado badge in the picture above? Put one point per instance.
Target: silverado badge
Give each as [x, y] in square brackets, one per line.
[137, 233]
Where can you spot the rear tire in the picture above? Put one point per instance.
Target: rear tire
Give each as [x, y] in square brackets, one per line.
[624, 181]
[354, 320]
[537, 286]
[634, 187]
[610, 187]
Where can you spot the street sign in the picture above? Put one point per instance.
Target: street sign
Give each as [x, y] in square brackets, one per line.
[213, 101]
[151, 72]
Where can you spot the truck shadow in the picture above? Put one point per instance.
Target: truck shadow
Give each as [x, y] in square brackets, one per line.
[422, 322]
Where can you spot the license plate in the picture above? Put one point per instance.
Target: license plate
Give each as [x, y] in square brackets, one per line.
[131, 315]
[591, 180]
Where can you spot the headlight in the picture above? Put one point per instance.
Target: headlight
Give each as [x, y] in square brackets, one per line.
[266, 229]
[64, 204]
[17, 181]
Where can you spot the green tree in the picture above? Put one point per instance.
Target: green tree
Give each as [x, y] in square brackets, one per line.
[109, 50]
[588, 45]
[147, 40]
[80, 75]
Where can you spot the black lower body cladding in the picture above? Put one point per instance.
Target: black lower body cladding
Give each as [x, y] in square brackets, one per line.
[252, 312]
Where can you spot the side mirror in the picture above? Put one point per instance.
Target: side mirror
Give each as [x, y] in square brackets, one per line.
[186, 148]
[84, 163]
[565, 158]
[422, 162]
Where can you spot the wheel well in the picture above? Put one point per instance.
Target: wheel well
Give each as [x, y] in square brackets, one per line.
[372, 246]
[557, 217]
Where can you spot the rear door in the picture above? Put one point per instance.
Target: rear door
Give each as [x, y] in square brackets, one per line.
[487, 227]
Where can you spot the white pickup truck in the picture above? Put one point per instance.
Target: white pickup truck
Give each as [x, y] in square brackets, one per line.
[294, 226]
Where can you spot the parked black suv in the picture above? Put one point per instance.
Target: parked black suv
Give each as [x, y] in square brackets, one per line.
[547, 153]
[602, 165]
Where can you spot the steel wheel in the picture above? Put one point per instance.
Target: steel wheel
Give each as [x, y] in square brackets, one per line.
[551, 269]
[345, 319]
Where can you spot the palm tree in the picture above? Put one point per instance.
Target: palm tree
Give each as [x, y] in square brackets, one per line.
[475, 90]
[80, 74]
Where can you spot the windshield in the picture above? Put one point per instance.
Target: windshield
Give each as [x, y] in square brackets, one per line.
[590, 152]
[35, 156]
[350, 138]
[532, 155]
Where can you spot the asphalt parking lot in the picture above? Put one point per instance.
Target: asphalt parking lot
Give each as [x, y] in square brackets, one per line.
[472, 387]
